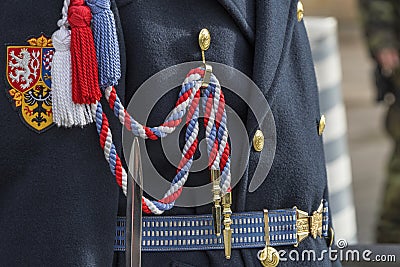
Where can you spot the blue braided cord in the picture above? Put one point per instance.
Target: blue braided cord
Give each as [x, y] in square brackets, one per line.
[220, 132]
[186, 168]
[213, 79]
[99, 118]
[222, 127]
[190, 126]
[180, 114]
[182, 172]
[224, 174]
[185, 88]
[134, 127]
[226, 169]
[106, 42]
[210, 89]
[134, 124]
[210, 141]
[163, 206]
[189, 130]
[213, 135]
[211, 138]
[205, 95]
[113, 159]
[158, 133]
[113, 151]
[175, 116]
[117, 106]
[207, 91]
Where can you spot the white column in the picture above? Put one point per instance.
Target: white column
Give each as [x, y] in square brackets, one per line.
[322, 33]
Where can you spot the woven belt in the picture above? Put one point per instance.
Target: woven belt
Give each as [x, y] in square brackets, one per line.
[177, 233]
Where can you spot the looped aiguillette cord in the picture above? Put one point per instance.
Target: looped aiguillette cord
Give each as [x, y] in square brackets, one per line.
[188, 102]
[85, 80]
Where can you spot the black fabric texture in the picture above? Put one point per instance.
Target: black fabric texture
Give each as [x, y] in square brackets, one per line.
[58, 199]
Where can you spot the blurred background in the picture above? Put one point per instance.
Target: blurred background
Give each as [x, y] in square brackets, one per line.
[367, 145]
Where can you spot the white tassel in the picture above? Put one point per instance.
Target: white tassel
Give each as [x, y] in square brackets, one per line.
[65, 112]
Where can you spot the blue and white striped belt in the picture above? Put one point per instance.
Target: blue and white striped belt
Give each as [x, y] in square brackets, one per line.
[196, 232]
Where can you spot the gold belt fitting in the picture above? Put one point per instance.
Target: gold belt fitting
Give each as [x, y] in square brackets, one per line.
[308, 224]
[216, 209]
[269, 256]
[227, 212]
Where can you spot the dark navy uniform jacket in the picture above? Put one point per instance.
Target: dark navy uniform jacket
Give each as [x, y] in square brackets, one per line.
[58, 199]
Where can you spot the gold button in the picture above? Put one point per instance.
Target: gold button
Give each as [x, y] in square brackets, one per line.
[258, 141]
[321, 125]
[300, 11]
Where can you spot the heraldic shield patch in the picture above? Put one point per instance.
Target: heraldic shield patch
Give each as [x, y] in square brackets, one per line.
[28, 74]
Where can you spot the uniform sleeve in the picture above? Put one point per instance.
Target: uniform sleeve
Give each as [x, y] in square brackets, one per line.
[379, 19]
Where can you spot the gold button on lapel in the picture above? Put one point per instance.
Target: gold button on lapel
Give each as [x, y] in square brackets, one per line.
[321, 125]
[258, 141]
[300, 11]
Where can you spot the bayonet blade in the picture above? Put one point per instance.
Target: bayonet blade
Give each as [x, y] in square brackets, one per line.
[134, 207]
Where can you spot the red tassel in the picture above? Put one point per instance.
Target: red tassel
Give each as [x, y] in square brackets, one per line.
[85, 81]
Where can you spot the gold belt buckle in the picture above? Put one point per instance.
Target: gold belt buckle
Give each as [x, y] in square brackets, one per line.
[307, 225]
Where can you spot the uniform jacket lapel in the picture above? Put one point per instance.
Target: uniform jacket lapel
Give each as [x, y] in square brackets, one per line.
[264, 24]
[271, 25]
[243, 13]
[271, 30]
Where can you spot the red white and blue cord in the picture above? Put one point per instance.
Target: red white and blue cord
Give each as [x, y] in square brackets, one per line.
[192, 98]
[213, 105]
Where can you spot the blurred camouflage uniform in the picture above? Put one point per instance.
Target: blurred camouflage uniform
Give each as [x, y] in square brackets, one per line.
[381, 19]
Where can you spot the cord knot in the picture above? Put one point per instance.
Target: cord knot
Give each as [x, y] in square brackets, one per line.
[61, 39]
[98, 6]
[79, 16]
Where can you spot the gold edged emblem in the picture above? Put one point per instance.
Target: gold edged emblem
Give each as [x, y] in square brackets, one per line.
[28, 74]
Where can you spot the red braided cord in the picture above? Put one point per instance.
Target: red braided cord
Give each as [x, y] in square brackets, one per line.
[190, 151]
[85, 84]
[103, 137]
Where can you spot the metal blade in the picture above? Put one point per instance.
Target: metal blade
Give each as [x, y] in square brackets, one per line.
[134, 208]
